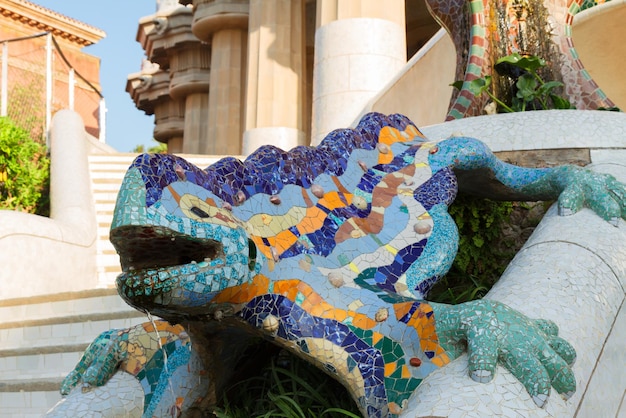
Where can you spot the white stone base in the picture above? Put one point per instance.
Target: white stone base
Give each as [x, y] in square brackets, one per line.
[98, 402]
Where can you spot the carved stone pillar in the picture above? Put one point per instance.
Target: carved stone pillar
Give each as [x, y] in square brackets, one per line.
[189, 72]
[149, 89]
[223, 24]
[169, 116]
[359, 46]
[276, 83]
[168, 41]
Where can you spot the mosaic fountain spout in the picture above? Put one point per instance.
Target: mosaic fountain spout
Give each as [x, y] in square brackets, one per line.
[160, 255]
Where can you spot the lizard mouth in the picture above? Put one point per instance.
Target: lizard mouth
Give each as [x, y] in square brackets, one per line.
[170, 274]
[149, 248]
[156, 261]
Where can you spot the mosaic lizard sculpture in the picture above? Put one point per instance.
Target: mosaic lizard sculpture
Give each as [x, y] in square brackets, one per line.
[330, 253]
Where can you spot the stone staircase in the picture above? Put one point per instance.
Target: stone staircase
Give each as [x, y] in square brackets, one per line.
[42, 338]
[107, 172]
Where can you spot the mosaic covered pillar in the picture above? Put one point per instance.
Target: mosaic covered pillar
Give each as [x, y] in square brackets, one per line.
[276, 82]
[359, 47]
[223, 24]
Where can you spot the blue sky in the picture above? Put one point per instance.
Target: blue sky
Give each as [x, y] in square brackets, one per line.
[120, 54]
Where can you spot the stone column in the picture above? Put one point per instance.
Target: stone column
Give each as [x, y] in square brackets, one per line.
[189, 69]
[223, 24]
[169, 121]
[149, 89]
[359, 46]
[276, 83]
[169, 42]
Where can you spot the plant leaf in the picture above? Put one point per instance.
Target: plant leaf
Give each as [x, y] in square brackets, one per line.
[529, 63]
[561, 102]
[479, 85]
[458, 84]
[526, 88]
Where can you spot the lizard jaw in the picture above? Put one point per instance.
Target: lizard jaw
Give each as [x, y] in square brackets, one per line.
[167, 273]
[157, 262]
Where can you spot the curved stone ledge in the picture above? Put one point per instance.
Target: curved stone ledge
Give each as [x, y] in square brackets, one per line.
[49, 255]
[572, 270]
[541, 129]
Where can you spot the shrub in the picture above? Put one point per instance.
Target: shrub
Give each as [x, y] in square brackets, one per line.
[24, 171]
[482, 256]
[286, 386]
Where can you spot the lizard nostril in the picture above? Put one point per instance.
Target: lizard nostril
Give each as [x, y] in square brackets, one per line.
[199, 212]
[251, 255]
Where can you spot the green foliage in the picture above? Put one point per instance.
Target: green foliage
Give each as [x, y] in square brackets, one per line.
[531, 91]
[24, 171]
[156, 148]
[479, 263]
[293, 389]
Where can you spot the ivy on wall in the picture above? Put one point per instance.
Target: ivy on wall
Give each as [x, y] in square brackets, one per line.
[482, 255]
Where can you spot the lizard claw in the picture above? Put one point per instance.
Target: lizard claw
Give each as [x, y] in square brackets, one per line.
[481, 376]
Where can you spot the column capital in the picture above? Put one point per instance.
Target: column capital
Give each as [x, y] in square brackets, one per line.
[147, 87]
[165, 31]
[210, 16]
[169, 120]
[190, 70]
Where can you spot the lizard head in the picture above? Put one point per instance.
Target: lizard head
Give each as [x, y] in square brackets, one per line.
[179, 244]
[184, 234]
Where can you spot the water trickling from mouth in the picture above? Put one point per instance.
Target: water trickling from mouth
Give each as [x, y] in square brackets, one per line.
[165, 359]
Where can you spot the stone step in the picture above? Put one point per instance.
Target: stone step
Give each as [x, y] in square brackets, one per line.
[28, 399]
[118, 156]
[104, 245]
[105, 207]
[43, 337]
[59, 305]
[57, 333]
[109, 259]
[43, 324]
[40, 366]
[110, 187]
[109, 170]
[105, 195]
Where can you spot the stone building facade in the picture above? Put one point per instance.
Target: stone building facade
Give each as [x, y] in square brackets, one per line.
[226, 76]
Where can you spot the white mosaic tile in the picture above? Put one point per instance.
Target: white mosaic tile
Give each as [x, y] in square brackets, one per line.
[122, 396]
[529, 130]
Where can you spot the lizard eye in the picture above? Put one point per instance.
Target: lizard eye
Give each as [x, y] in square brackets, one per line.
[199, 212]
